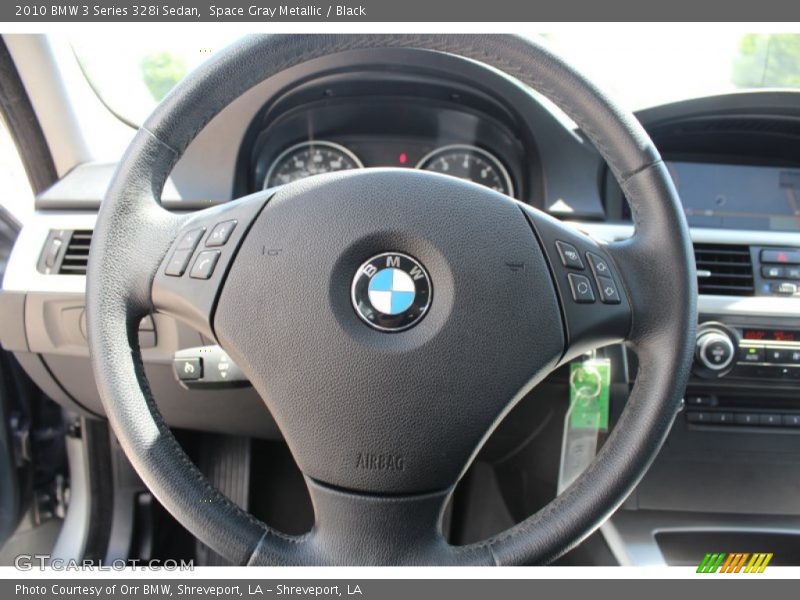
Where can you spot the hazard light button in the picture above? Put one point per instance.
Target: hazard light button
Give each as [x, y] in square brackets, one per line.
[781, 257]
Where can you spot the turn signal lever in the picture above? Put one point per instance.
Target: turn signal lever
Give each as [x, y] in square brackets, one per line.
[207, 367]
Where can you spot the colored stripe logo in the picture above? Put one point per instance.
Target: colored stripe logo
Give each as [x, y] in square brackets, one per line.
[736, 562]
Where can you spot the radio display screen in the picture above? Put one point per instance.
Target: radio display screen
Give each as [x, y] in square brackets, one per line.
[770, 335]
[738, 196]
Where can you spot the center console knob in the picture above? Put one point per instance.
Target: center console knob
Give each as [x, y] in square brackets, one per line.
[715, 350]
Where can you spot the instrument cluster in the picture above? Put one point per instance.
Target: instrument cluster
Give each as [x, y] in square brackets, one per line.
[361, 132]
[464, 161]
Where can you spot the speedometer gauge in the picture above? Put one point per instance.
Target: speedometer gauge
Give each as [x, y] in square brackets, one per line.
[470, 163]
[307, 159]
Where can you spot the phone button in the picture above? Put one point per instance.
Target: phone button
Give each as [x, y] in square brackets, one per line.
[204, 264]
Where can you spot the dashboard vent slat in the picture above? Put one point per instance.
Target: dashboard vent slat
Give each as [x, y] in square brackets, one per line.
[726, 270]
[76, 256]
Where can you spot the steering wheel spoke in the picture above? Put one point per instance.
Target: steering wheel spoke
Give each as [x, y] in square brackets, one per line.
[360, 529]
[593, 297]
[190, 276]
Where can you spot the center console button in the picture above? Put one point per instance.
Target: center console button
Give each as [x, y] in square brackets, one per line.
[722, 418]
[778, 355]
[695, 401]
[785, 288]
[694, 416]
[715, 350]
[773, 272]
[783, 257]
[790, 420]
[751, 355]
[745, 418]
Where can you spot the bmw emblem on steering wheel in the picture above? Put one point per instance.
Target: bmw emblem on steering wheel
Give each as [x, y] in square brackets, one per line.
[391, 291]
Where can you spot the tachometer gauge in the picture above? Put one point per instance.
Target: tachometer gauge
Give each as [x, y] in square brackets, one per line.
[470, 163]
[309, 158]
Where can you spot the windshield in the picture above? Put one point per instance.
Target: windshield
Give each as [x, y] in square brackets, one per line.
[131, 74]
[640, 66]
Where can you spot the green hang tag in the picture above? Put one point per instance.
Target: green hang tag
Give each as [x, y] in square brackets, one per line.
[589, 383]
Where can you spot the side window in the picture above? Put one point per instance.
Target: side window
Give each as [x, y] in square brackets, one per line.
[16, 196]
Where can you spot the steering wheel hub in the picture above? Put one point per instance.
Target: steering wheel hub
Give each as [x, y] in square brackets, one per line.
[424, 396]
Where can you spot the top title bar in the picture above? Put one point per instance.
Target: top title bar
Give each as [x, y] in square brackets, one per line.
[464, 11]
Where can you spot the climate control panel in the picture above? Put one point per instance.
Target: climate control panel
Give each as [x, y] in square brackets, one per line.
[746, 352]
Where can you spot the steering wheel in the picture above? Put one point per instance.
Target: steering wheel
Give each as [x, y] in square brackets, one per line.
[389, 318]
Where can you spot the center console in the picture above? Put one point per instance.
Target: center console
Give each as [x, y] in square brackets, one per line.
[745, 375]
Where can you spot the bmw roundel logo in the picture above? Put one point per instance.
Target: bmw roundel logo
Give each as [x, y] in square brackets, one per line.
[391, 291]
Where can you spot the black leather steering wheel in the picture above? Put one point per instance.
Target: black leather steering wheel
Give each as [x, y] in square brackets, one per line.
[384, 423]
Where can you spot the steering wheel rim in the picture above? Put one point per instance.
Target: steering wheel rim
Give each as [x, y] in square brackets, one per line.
[134, 234]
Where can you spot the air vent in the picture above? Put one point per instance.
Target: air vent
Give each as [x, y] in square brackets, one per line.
[76, 255]
[724, 270]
